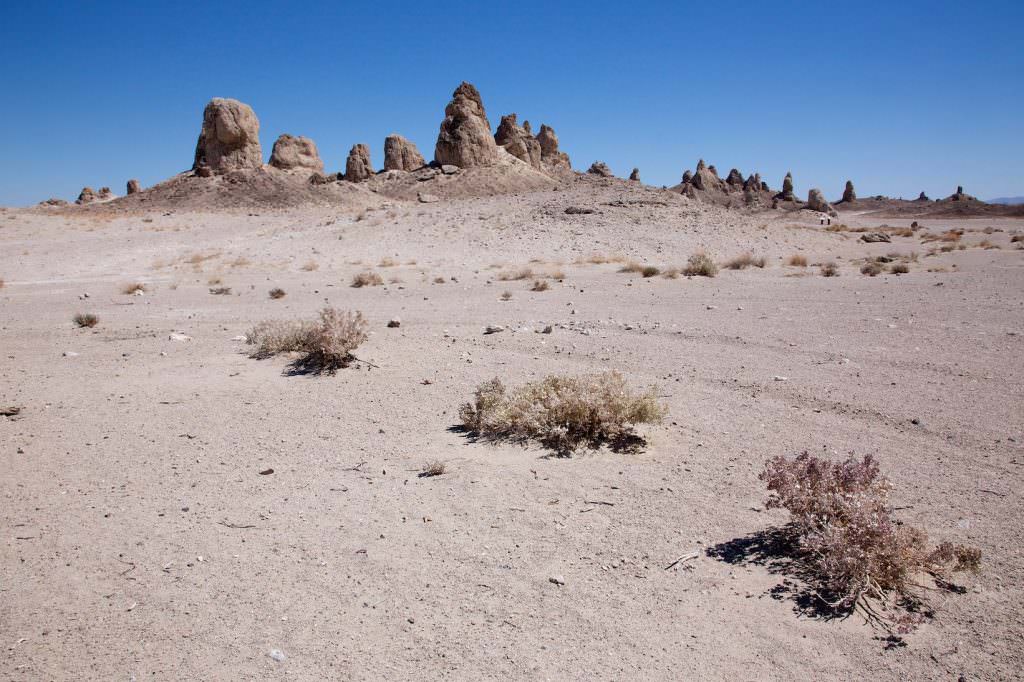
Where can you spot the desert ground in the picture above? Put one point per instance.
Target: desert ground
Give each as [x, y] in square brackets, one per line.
[144, 536]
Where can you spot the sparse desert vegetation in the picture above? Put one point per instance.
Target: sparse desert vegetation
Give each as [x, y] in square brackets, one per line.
[861, 557]
[220, 291]
[85, 320]
[540, 285]
[829, 269]
[871, 269]
[700, 265]
[133, 288]
[797, 260]
[744, 261]
[367, 278]
[433, 468]
[562, 412]
[325, 343]
[276, 293]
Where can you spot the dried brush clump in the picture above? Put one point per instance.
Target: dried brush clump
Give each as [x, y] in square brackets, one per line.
[871, 269]
[326, 343]
[367, 278]
[563, 413]
[746, 260]
[829, 269]
[133, 288]
[700, 265]
[797, 260]
[863, 558]
[276, 293]
[540, 285]
[86, 320]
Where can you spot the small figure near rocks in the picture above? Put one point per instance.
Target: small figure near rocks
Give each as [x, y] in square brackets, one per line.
[849, 195]
[133, 187]
[635, 175]
[358, 167]
[292, 152]
[400, 154]
[601, 169]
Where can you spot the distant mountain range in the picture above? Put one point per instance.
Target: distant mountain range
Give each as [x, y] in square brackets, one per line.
[1009, 201]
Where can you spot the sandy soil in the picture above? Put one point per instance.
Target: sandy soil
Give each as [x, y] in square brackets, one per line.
[140, 541]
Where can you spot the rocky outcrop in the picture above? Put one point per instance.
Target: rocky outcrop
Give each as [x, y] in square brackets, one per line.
[600, 168]
[358, 167]
[88, 195]
[400, 154]
[705, 178]
[687, 177]
[816, 202]
[735, 179]
[923, 197]
[465, 138]
[849, 195]
[292, 153]
[960, 196]
[229, 139]
[133, 187]
[635, 175]
[549, 152]
[787, 189]
[518, 142]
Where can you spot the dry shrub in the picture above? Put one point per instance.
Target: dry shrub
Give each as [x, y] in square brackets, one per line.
[86, 320]
[311, 266]
[132, 288]
[540, 285]
[220, 291]
[439, 280]
[506, 295]
[277, 292]
[797, 260]
[744, 261]
[600, 259]
[367, 278]
[829, 269]
[700, 265]
[2, 282]
[671, 273]
[871, 269]
[899, 268]
[240, 262]
[433, 468]
[513, 275]
[387, 262]
[947, 236]
[640, 269]
[214, 280]
[563, 412]
[1017, 238]
[326, 343]
[862, 557]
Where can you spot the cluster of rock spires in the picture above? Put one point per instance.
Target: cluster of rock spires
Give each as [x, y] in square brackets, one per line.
[229, 141]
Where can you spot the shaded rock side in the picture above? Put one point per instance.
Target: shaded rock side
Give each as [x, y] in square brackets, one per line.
[230, 137]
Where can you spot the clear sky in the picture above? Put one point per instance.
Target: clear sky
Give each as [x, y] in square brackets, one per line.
[898, 96]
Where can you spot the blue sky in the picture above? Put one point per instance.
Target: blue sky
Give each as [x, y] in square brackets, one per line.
[899, 96]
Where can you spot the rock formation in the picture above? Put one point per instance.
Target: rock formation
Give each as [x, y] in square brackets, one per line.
[635, 175]
[960, 196]
[296, 152]
[923, 197]
[687, 177]
[549, 153]
[401, 154]
[705, 178]
[358, 167]
[787, 189]
[86, 196]
[849, 195]
[735, 179]
[230, 137]
[600, 168]
[465, 138]
[133, 187]
[816, 202]
[517, 141]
